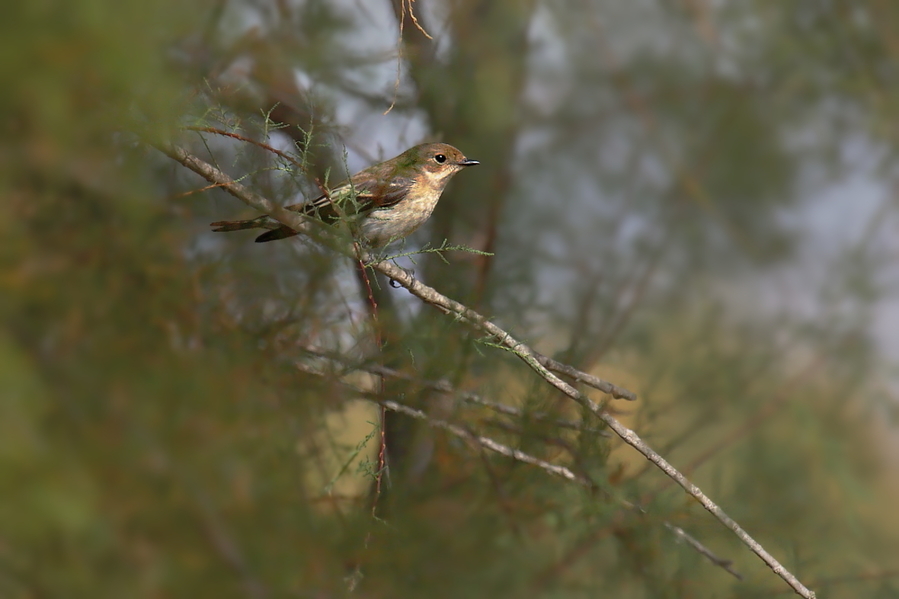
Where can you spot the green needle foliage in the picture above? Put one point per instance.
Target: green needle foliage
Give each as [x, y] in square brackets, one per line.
[192, 415]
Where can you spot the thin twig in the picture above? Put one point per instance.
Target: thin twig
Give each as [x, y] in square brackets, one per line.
[415, 20]
[446, 388]
[382, 437]
[510, 452]
[250, 140]
[298, 221]
[194, 191]
[583, 377]
[703, 550]
[507, 341]
[303, 168]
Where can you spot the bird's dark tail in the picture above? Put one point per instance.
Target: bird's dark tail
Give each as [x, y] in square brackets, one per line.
[275, 229]
[275, 234]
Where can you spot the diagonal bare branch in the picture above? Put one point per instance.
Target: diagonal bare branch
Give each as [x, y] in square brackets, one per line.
[505, 340]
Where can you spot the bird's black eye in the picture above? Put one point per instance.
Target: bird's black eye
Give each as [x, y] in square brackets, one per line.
[440, 158]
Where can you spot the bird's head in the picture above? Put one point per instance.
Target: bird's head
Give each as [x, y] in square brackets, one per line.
[436, 161]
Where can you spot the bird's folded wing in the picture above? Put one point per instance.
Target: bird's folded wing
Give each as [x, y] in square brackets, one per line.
[362, 195]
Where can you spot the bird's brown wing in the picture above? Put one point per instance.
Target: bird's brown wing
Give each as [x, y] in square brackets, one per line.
[364, 193]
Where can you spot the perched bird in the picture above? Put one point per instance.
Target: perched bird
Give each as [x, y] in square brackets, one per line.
[382, 203]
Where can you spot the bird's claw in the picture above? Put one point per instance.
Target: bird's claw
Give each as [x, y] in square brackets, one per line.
[395, 284]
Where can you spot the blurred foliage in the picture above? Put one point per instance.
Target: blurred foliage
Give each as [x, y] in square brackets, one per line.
[649, 172]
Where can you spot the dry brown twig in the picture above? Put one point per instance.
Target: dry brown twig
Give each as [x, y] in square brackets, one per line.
[405, 5]
[500, 338]
[408, 3]
[250, 140]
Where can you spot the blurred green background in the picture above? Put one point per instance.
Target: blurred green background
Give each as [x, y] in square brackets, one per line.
[694, 199]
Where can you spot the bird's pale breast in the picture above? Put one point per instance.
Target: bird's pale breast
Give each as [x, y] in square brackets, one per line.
[382, 226]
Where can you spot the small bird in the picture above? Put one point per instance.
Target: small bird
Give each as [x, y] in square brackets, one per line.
[383, 203]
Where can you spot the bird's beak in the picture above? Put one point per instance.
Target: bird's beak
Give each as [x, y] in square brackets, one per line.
[468, 162]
